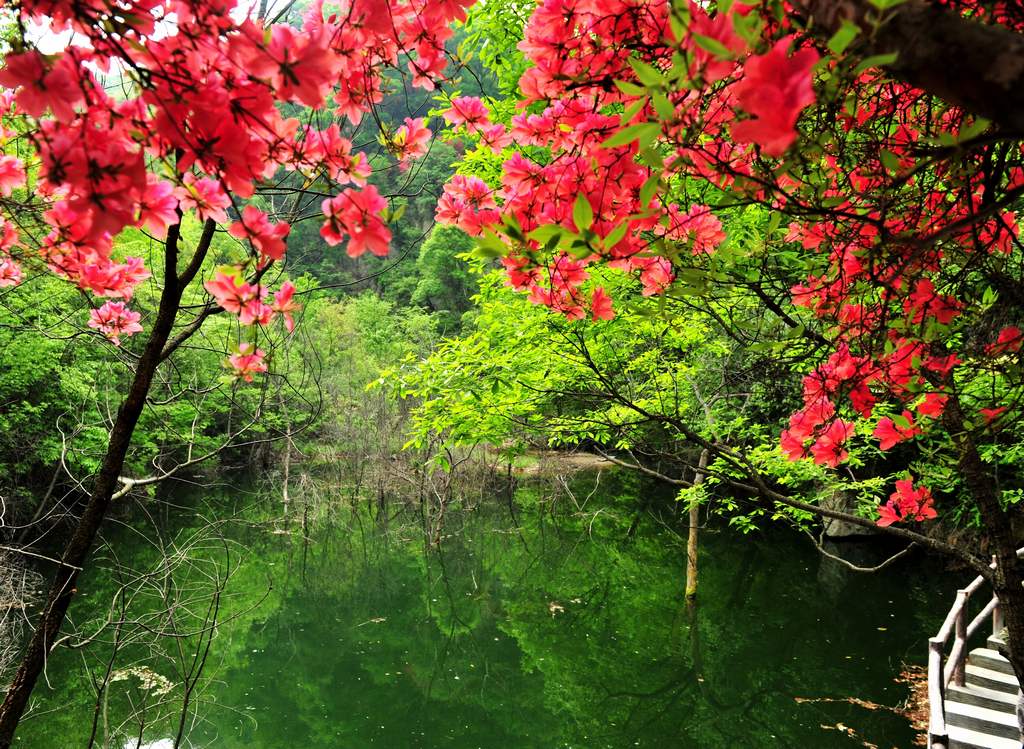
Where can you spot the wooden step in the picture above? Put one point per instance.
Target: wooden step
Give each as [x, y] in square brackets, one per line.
[965, 738]
[989, 679]
[991, 698]
[994, 643]
[990, 659]
[982, 720]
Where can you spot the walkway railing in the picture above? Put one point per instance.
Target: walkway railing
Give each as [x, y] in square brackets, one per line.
[943, 668]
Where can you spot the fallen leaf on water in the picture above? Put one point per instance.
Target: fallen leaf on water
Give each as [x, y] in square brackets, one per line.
[375, 620]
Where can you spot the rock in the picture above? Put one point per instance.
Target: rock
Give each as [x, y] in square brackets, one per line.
[841, 502]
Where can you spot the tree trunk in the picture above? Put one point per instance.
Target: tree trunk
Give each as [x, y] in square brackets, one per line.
[77, 550]
[989, 69]
[1008, 584]
[691, 540]
[1008, 576]
[285, 498]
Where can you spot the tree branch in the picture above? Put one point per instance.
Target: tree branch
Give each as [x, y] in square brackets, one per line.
[973, 65]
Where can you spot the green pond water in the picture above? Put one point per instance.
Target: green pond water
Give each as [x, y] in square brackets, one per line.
[532, 624]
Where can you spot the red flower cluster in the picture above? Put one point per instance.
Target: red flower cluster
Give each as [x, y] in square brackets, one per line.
[575, 48]
[356, 214]
[203, 127]
[774, 89]
[907, 503]
[114, 320]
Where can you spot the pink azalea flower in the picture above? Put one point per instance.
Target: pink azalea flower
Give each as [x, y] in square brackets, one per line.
[266, 237]
[907, 503]
[114, 320]
[239, 297]
[248, 361]
[285, 305]
[468, 111]
[601, 305]
[206, 197]
[12, 174]
[356, 214]
[159, 207]
[889, 434]
[10, 273]
[411, 140]
[775, 88]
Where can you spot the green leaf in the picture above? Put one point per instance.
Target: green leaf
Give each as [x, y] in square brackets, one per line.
[489, 246]
[582, 212]
[678, 19]
[648, 74]
[512, 227]
[843, 38]
[973, 130]
[544, 233]
[630, 88]
[713, 46]
[663, 106]
[649, 188]
[632, 111]
[876, 61]
[645, 132]
[615, 235]
[890, 160]
[397, 213]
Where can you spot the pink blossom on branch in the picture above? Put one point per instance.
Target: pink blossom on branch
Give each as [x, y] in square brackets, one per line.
[266, 236]
[698, 227]
[158, 208]
[12, 174]
[1009, 340]
[10, 273]
[206, 197]
[907, 503]
[468, 203]
[198, 128]
[775, 88]
[356, 214]
[933, 405]
[248, 361]
[285, 305]
[495, 137]
[889, 433]
[114, 320]
[235, 295]
[42, 85]
[469, 111]
[601, 305]
[829, 448]
[411, 141]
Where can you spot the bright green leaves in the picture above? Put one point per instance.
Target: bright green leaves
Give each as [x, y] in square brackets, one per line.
[647, 74]
[582, 213]
[875, 61]
[713, 46]
[490, 246]
[843, 37]
[644, 134]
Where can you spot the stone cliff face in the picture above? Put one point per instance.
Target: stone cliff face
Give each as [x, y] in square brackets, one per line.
[840, 528]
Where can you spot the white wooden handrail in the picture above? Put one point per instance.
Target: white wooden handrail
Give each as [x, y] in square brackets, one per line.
[943, 668]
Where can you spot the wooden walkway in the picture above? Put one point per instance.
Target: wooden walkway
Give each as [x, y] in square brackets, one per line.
[972, 694]
[981, 714]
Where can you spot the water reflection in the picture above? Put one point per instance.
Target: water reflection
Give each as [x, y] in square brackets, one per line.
[550, 628]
